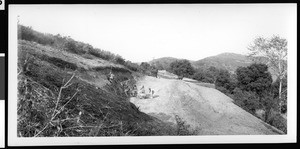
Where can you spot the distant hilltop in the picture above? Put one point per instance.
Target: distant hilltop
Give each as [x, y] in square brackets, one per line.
[228, 61]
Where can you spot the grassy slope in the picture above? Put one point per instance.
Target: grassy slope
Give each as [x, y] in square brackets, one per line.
[229, 61]
[88, 105]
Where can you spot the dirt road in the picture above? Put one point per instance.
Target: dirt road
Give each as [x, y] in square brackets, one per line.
[202, 108]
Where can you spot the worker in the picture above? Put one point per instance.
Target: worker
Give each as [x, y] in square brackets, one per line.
[110, 76]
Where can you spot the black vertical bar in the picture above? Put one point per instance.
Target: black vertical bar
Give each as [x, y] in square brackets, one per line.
[2, 77]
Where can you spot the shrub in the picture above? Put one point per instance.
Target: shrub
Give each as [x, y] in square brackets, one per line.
[118, 59]
[183, 128]
[96, 53]
[70, 46]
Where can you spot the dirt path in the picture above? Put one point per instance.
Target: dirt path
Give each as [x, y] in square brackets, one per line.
[202, 108]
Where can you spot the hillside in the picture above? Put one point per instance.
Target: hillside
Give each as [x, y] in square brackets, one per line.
[228, 61]
[63, 92]
[206, 110]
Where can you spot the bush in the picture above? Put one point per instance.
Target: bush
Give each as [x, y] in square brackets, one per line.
[71, 46]
[118, 59]
[183, 128]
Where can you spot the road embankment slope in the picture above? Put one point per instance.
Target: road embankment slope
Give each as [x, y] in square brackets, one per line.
[205, 109]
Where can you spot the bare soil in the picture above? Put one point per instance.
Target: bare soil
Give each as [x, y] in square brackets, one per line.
[204, 109]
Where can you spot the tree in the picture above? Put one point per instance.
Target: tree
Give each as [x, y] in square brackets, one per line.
[158, 65]
[213, 71]
[275, 87]
[204, 76]
[275, 50]
[224, 80]
[255, 78]
[182, 68]
[145, 66]
[149, 69]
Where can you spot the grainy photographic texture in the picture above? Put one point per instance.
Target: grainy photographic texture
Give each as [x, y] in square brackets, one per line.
[152, 70]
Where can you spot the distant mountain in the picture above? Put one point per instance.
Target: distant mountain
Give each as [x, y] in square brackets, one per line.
[228, 61]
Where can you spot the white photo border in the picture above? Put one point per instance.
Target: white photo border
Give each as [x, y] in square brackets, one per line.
[13, 140]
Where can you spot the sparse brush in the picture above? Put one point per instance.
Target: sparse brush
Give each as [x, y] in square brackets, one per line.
[183, 128]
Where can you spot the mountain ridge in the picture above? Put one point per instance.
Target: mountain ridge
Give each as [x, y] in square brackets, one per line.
[227, 60]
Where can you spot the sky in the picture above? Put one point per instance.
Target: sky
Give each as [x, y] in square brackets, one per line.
[143, 32]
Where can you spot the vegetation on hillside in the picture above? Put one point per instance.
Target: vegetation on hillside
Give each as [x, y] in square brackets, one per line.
[253, 90]
[70, 45]
[59, 96]
[251, 85]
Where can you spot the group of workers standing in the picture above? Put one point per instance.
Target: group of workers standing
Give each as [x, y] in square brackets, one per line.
[132, 91]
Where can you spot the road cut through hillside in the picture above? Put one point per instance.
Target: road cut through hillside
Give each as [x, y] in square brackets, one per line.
[205, 109]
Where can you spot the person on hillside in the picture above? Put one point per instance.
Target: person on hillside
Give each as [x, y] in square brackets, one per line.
[141, 93]
[134, 91]
[110, 76]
